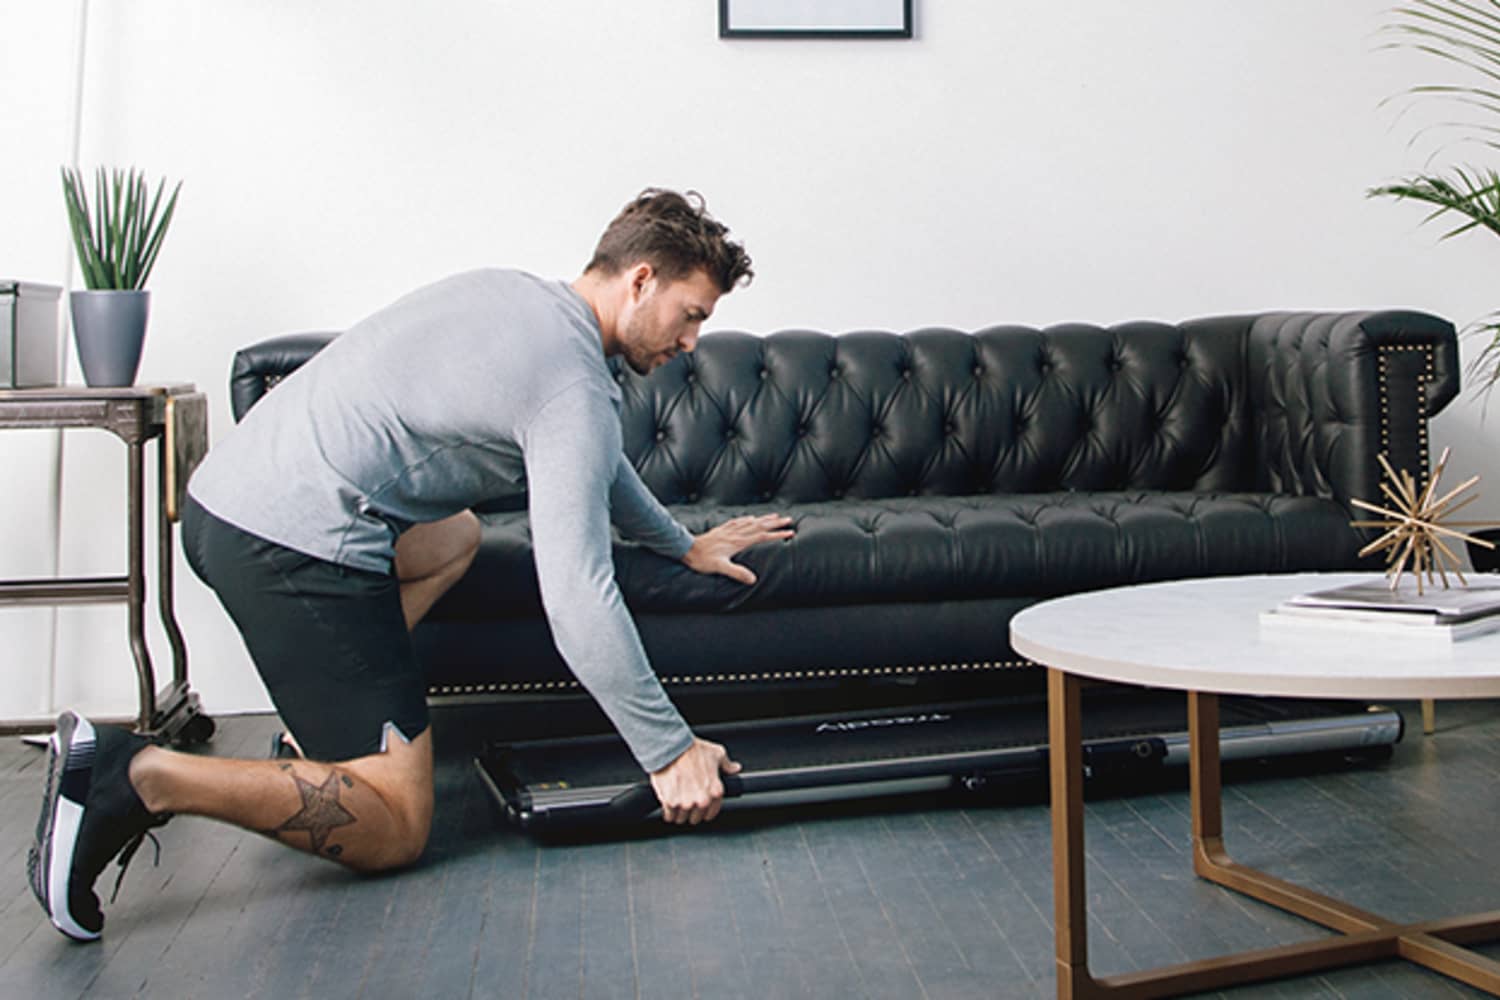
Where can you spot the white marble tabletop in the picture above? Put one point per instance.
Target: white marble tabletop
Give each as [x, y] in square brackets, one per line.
[1206, 635]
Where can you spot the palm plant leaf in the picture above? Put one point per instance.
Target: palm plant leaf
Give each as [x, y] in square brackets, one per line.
[1486, 365]
[1460, 24]
[1465, 35]
[1485, 102]
[1475, 197]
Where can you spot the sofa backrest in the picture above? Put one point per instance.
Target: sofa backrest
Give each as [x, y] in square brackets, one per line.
[799, 416]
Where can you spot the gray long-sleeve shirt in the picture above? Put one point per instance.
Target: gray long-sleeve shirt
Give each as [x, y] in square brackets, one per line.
[486, 384]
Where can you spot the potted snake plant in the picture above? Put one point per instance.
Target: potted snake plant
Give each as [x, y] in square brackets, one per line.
[117, 239]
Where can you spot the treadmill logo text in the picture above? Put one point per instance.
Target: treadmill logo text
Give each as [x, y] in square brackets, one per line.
[900, 720]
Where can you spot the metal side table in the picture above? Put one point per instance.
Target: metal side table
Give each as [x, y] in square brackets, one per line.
[176, 417]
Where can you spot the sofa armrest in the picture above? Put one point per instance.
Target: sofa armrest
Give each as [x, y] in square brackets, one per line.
[261, 365]
[1332, 391]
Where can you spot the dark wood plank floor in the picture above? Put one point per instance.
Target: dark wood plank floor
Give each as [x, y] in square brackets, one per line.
[915, 900]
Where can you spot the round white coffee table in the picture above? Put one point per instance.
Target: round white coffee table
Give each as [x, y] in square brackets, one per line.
[1205, 637]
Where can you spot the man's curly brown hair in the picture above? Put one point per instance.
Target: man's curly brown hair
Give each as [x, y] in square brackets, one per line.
[675, 235]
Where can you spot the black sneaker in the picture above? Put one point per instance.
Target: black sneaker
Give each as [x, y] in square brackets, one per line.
[90, 814]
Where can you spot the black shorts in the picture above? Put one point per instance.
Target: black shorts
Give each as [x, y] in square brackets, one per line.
[330, 642]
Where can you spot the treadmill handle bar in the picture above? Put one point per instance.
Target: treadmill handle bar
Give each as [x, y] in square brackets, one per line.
[639, 801]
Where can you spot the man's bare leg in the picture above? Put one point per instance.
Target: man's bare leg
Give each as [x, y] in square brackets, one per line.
[371, 813]
[432, 557]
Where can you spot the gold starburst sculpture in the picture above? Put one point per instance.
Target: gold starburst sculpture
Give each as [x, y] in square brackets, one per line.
[1414, 530]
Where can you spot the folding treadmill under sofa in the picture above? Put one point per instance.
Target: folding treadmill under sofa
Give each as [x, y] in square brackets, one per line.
[940, 481]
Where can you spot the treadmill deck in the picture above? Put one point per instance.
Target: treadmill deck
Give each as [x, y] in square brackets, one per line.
[593, 780]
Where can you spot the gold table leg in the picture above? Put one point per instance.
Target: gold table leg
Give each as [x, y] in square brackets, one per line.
[1365, 937]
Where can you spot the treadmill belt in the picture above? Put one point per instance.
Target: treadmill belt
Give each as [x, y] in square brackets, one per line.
[585, 781]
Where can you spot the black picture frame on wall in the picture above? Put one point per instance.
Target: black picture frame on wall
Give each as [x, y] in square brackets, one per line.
[815, 19]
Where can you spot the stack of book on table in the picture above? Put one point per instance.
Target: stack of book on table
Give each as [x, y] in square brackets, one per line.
[1436, 613]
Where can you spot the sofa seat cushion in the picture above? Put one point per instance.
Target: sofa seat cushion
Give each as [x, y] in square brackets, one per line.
[944, 548]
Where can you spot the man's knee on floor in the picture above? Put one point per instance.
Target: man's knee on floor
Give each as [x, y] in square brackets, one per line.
[401, 776]
[402, 849]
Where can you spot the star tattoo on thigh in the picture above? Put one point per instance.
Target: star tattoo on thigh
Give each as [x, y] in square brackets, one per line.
[321, 812]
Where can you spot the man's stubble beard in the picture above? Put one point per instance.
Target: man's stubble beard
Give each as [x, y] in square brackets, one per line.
[641, 361]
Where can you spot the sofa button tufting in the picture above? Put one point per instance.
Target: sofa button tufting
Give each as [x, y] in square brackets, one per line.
[693, 497]
[978, 370]
[762, 374]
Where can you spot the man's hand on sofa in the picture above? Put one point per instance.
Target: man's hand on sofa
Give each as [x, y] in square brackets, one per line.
[713, 550]
[689, 788]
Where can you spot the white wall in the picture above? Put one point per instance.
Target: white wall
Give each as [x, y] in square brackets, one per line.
[1025, 161]
[37, 79]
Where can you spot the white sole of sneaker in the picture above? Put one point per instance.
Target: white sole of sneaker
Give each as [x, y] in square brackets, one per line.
[67, 817]
[38, 857]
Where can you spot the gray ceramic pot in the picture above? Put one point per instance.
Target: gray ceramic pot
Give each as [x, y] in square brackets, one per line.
[109, 328]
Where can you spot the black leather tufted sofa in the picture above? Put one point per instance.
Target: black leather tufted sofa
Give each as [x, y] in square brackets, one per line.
[941, 480]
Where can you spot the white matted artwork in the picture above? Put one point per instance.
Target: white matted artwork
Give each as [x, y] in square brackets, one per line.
[815, 18]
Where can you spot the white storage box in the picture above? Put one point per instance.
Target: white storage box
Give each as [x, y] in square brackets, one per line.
[28, 334]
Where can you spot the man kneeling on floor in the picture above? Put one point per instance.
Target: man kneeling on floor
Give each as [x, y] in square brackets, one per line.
[337, 513]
